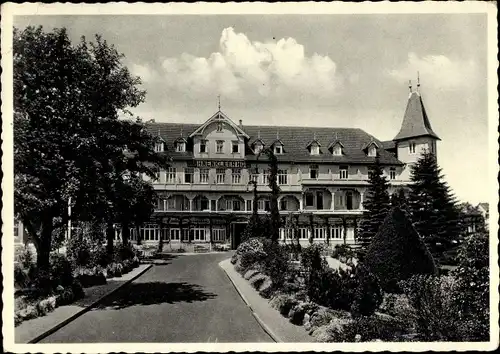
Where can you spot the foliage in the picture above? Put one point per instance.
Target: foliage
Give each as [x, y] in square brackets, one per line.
[472, 296]
[124, 252]
[371, 328]
[250, 253]
[275, 263]
[399, 307]
[90, 276]
[397, 252]
[433, 300]
[432, 206]
[36, 309]
[343, 253]
[376, 205]
[61, 271]
[368, 295]
[68, 139]
[297, 313]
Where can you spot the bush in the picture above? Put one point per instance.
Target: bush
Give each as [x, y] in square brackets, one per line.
[433, 300]
[396, 253]
[21, 277]
[61, 271]
[90, 276]
[298, 312]
[79, 250]
[472, 297]
[367, 296]
[398, 306]
[250, 252]
[283, 303]
[123, 252]
[373, 327]
[276, 263]
[331, 332]
[343, 253]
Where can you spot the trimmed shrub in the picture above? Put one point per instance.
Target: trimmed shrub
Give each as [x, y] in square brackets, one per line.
[398, 306]
[331, 332]
[283, 303]
[79, 251]
[298, 312]
[276, 263]
[258, 280]
[61, 271]
[250, 273]
[123, 252]
[396, 253]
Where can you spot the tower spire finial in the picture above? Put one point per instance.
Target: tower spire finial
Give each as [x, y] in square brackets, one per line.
[218, 97]
[258, 134]
[409, 86]
[418, 81]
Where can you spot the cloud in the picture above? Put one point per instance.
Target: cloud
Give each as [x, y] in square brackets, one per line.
[241, 68]
[437, 71]
[145, 73]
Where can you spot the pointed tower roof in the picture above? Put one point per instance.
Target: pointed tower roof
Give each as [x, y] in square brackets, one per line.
[415, 121]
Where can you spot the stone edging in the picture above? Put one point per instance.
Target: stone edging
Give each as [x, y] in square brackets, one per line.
[264, 326]
[86, 309]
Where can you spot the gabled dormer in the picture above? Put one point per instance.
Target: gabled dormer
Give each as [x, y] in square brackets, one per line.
[278, 147]
[336, 148]
[222, 122]
[160, 143]
[314, 147]
[371, 149]
[258, 146]
[180, 144]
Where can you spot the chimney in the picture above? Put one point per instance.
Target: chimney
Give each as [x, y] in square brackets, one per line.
[241, 123]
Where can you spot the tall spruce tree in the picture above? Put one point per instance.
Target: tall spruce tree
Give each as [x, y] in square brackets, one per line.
[376, 204]
[433, 207]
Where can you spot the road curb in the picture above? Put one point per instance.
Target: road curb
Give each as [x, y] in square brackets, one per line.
[261, 323]
[86, 309]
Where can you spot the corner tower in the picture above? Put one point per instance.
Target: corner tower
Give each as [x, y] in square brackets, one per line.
[416, 134]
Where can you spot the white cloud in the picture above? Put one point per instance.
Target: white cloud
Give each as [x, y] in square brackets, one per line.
[144, 72]
[437, 71]
[242, 67]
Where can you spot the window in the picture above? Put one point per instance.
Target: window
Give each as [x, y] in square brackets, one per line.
[264, 205]
[309, 199]
[219, 235]
[283, 204]
[204, 175]
[314, 150]
[236, 176]
[220, 125]
[157, 175]
[392, 173]
[221, 176]
[282, 177]
[343, 174]
[278, 149]
[158, 147]
[203, 146]
[255, 177]
[337, 150]
[265, 177]
[199, 234]
[249, 205]
[236, 204]
[188, 175]
[171, 172]
[319, 232]
[303, 233]
[372, 151]
[236, 147]
[336, 232]
[412, 147]
[160, 204]
[313, 171]
[220, 146]
[175, 234]
[258, 148]
[180, 147]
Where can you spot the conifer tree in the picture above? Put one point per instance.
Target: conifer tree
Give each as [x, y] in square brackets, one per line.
[432, 206]
[376, 205]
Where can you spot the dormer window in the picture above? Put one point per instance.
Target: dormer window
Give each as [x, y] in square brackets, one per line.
[314, 150]
[278, 149]
[258, 148]
[159, 147]
[372, 151]
[236, 147]
[203, 146]
[180, 146]
[412, 147]
[337, 150]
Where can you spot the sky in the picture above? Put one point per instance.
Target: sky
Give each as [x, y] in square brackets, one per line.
[312, 70]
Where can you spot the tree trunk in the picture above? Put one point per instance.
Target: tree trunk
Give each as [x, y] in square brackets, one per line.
[327, 233]
[43, 246]
[344, 225]
[311, 226]
[211, 230]
[110, 236]
[138, 234]
[125, 233]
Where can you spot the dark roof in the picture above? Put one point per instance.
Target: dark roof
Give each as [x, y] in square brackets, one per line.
[389, 145]
[485, 206]
[415, 121]
[293, 138]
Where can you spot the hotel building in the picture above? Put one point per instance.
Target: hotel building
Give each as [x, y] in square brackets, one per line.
[206, 194]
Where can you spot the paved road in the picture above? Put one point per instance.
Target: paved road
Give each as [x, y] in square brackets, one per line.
[188, 300]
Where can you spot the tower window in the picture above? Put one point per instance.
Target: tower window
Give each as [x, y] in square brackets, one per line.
[392, 173]
[412, 148]
[236, 147]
